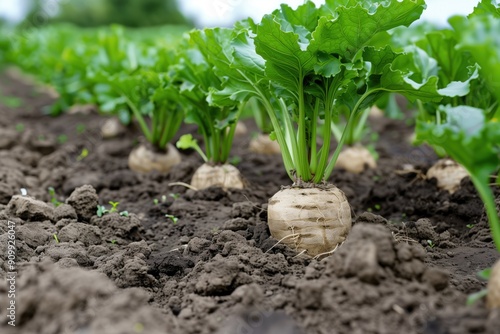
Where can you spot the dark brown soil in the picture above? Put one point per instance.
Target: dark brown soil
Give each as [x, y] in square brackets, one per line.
[407, 267]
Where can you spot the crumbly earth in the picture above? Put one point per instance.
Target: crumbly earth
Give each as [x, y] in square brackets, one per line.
[407, 266]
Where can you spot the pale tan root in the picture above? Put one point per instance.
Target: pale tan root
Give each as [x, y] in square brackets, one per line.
[327, 253]
[355, 159]
[143, 160]
[493, 297]
[448, 174]
[411, 139]
[183, 185]
[178, 248]
[280, 241]
[376, 112]
[224, 176]
[262, 144]
[82, 109]
[241, 129]
[311, 219]
[112, 128]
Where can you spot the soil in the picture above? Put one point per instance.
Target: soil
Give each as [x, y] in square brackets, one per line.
[408, 265]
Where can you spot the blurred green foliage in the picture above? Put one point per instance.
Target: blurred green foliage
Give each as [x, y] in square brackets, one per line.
[94, 13]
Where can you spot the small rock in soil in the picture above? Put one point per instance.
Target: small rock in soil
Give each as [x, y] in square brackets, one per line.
[30, 209]
[84, 200]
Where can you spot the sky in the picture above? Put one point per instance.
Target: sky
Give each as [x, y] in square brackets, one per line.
[225, 12]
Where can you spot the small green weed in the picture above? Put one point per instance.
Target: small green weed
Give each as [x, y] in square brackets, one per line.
[80, 128]
[53, 197]
[10, 102]
[83, 154]
[173, 218]
[102, 210]
[62, 139]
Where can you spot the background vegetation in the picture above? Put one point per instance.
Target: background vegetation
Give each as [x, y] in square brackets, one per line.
[95, 13]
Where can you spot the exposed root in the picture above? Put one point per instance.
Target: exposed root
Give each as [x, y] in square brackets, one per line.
[296, 256]
[182, 184]
[327, 253]
[178, 248]
[281, 240]
[403, 237]
[255, 206]
[399, 238]
[419, 175]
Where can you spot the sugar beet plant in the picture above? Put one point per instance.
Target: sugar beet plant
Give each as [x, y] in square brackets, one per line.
[195, 79]
[153, 101]
[437, 52]
[468, 129]
[304, 65]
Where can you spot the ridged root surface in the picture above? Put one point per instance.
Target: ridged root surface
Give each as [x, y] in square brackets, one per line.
[448, 174]
[355, 159]
[224, 176]
[143, 160]
[310, 220]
